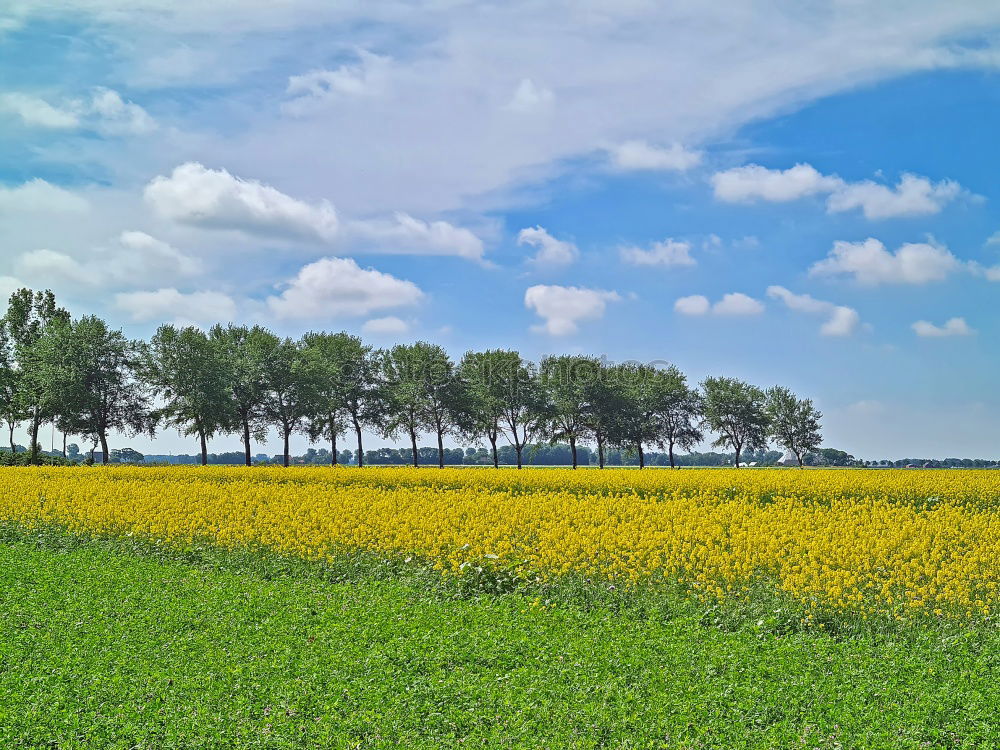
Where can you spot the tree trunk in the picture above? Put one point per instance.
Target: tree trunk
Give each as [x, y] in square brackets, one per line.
[572, 448]
[413, 445]
[642, 457]
[518, 447]
[33, 448]
[440, 448]
[11, 428]
[204, 448]
[496, 456]
[600, 450]
[246, 442]
[333, 443]
[739, 449]
[361, 454]
[64, 445]
[286, 458]
[798, 457]
[670, 450]
[104, 447]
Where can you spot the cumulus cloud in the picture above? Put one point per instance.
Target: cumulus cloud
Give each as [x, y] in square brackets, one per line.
[387, 326]
[40, 196]
[735, 304]
[668, 253]
[36, 112]
[753, 182]
[103, 111]
[912, 195]
[528, 97]
[870, 263]
[551, 253]
[640, 155]
[403, 234]
[694, 304]
[952, 327]
[134, 257]
[840, 320]
[170, 304]
[317, 89]
[46, 266]
[339, 287]
[564, 307]
[214, 198]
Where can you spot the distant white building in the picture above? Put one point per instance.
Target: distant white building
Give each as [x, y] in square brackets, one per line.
[788, 459]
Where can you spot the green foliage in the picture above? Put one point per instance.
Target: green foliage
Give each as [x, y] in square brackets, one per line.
[794, 422]
[737, 411]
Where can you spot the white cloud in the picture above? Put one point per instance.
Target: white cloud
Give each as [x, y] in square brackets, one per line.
[318, 88]
[912, 196]
[404, 234]
[339, 287]
[952, 327]
[388, 326]
[142, 254]
[170, 304]
[840, 320]
[564, 307]
[668, 253]
[529, 97]
[9, 285]
[45, 266]
[34, 111]
[214, 198]
[104, 111]
[735, 304]
[752, 182]
[871, 263]
[552, 253]
[640, 155]
[695, 304]
[40, 196]
[115, 116]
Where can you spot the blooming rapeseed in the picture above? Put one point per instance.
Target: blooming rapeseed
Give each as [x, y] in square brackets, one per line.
[869, 541]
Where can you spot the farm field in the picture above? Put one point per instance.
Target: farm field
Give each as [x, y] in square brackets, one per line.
[221, 607]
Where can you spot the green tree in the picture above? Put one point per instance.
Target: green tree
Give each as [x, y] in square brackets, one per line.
[186, 370]
[737, 412]
[566, 386]
[358, 376]
[94, 376]
[522, 404]
[440, 391]
[289, 391]
[328, 355]
[636, 422]
[479, 399]
[29, 316]
[402, 372]
[794, 422]
[679, 412]
[246, 354]
[11, 407]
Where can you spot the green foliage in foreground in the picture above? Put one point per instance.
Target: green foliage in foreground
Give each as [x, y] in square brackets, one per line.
[115, 644]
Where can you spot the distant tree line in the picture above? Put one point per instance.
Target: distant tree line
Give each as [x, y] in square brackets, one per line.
[89, 380]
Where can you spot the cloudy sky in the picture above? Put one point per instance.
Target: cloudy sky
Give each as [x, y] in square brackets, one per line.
[791, 192]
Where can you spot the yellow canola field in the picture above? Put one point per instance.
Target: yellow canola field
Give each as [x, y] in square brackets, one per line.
[871, 541]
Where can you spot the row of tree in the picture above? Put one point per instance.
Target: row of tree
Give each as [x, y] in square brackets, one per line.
[89, 380]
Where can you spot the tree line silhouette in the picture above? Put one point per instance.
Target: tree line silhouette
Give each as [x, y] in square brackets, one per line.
[88, 379]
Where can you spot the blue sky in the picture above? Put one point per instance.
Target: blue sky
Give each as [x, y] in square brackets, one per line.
[794, 193]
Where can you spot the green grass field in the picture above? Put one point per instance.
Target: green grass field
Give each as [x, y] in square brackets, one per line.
[107, 646]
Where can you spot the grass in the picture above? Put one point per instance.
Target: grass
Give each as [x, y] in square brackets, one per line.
[116, 644]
